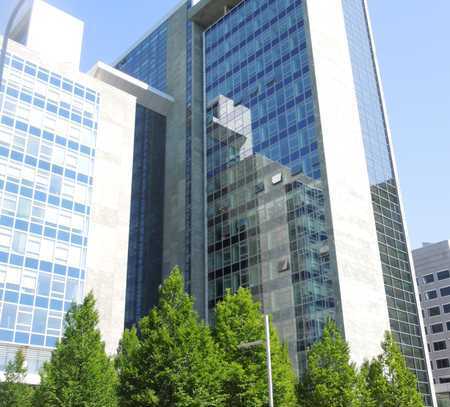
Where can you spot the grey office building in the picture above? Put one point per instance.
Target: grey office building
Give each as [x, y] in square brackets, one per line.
[432, 263]
[275, 172]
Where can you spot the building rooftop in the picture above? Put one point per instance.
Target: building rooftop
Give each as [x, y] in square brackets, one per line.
[207, 12]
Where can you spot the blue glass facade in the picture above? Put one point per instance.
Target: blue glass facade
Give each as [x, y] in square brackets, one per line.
[402, 304]
[148, 60]
[146, 229]
[267, 227]
[48, 127]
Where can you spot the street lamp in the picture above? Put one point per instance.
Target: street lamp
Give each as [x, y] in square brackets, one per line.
[247, 345]
[5, 37]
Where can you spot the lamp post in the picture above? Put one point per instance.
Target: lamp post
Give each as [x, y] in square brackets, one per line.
[6, 35]
[247, 345]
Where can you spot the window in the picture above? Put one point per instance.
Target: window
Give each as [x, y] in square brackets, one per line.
[442, 363]
[445, 291]
[74, 256]
[431, 295]
[33, 147]
[29, 283]
[44, 284]
[448, 326]
[59, 155]
[19, 242]
[442, 275]
[8, 319]
[13, 277]
[39, 320]
[47, 247]
[55, 184]
[72, 290]
[429, 278]
[446, 308]
[34, 246]
[438, 346]
[443, 380]
[61, 253]
[9, 204]
[71, 160]
[24, 208]
[436, 328]
[5, 237]
[38, 212]
[432, 312]
[84, 165]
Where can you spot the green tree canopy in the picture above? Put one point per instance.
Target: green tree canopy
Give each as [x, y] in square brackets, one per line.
[389, 381]
[176, 362]
[13, 391]
[330, 379]
[239, 320]
[126, 368]
[79, 373]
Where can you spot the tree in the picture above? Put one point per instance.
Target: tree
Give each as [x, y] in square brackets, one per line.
[79, 372]
[364, 394]
[13, 391]
[125, 365]
[388, 379]
[176, 362]
[330, 379]
[239, 320]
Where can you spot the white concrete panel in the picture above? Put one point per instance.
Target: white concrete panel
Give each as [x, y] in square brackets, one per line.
[57, 36]
[147, 96]
[362, 293]
[110, 211]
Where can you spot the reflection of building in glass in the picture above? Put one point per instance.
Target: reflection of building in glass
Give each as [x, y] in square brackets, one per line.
[278, 114]
[266, 231]
[232, 126]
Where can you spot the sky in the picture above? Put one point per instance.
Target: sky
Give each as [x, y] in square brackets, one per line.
[411, 38]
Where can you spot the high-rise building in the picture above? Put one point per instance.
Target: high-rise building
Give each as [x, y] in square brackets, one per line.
[66, 153]
[278, 173]
[432, 264]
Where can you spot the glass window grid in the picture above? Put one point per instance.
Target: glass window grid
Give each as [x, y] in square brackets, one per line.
[389, 219]
[267, 58]
[34, 317]
[51, 79]
[148, 60]
[34, 190]
[61, 109]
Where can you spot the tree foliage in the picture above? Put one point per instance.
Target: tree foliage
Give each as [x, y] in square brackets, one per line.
[330, 379]
[176, 362]
[239, 320]
[389, 381]
[125, 364]
[13, 391]
[79, 372]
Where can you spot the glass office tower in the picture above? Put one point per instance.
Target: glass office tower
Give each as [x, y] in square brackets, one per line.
[300, 198]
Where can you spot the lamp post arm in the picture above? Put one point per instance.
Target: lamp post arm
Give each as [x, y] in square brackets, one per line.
[6, 35]
[269, 360]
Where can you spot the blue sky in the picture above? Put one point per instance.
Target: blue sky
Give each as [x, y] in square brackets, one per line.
[412, 44]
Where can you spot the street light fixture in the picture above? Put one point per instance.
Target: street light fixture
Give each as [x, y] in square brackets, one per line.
[6, 35]
[248, 345]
